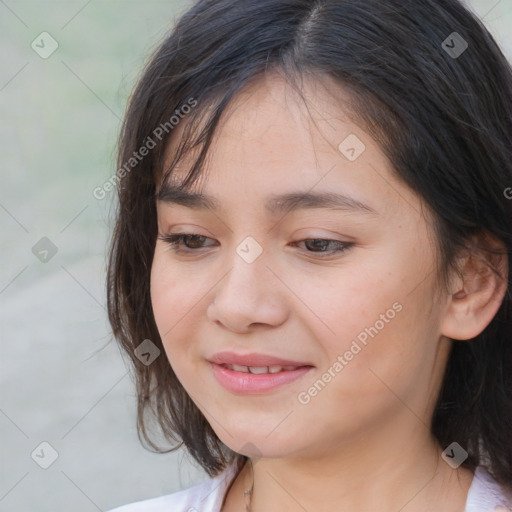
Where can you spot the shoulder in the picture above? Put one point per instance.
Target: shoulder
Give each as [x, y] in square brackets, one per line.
[206, 496]
[485, 495]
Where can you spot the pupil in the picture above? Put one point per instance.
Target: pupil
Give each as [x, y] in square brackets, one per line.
[318, 244]
[196, 240]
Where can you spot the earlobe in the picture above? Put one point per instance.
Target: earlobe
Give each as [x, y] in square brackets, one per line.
[478, 295]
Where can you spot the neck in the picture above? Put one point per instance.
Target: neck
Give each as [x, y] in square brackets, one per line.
[406, 473]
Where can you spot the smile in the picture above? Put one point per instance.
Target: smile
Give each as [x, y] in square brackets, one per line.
[258, 370]
[240, 379]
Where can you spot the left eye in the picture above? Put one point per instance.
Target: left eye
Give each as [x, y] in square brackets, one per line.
[323, 244]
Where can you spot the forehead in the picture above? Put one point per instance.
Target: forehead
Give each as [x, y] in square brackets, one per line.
[272, 141]
[270, 102]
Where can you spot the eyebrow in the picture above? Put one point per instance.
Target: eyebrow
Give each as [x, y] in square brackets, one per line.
[275, 204]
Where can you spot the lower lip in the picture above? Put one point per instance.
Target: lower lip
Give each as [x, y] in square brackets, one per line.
[250, 383]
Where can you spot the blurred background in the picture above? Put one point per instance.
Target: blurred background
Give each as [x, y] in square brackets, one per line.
[67, 402]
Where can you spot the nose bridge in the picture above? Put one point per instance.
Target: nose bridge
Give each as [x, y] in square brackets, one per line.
[247, 294]
[248, 265]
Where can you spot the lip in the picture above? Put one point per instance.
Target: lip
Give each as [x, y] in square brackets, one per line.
[252, 384]
[254, 359]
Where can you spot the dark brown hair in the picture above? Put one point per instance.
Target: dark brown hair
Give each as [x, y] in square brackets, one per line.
[444, 120]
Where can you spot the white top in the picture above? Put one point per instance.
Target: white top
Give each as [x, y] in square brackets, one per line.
[484, 495]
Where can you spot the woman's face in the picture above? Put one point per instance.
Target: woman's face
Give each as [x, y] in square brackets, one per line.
[264, 277]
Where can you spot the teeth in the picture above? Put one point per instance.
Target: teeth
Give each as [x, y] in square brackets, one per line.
[257, 370]
[238, 368]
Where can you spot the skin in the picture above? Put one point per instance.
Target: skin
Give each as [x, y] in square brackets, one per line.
[363, 442]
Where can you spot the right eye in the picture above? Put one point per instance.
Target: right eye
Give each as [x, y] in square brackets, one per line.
[191, 241]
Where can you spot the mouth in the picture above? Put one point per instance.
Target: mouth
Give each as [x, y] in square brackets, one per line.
[256, 361]
[260, 370]
[254, 380]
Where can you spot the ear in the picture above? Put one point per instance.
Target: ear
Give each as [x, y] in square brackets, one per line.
[476, 296]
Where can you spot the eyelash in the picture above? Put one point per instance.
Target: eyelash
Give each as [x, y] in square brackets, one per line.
[175, 240]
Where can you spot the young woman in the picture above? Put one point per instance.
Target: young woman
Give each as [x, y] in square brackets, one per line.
[310, 267]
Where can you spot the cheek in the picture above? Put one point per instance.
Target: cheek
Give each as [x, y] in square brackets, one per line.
[179, 303]
[164, 290]
[347, 302]
[175, 292]
[370, 319]
[170, 302]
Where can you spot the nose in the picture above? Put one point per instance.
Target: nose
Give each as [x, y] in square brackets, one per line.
[248, 297]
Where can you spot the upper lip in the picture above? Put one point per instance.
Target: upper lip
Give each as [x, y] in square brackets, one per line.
[253, 359]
